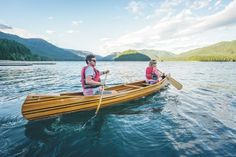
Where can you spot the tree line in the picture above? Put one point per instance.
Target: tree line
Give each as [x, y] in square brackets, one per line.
[12, 50]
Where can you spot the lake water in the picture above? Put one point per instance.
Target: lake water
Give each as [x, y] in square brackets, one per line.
[199, 120]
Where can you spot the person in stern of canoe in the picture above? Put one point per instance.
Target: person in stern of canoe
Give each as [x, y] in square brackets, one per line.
[152, 73]
[90, 78]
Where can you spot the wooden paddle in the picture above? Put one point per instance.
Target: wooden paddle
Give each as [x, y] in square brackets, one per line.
[100, 100]
[172, 81]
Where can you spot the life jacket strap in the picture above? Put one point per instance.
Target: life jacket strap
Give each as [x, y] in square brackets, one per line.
[91, 86]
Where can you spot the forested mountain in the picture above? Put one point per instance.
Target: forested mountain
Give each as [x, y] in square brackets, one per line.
[223, 51]
[143, 55]
[43, 48]
[12, 50]
[111, 56]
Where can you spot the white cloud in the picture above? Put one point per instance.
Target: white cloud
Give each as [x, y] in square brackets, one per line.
[199, 4]
[223, 18]
[76, 23]
[180, 33]
[218, 3]
[135, 7]
[70, 31]
[50, 18]
[104, 39]
[184, 14]
[49, 31]
[19, 32]
[165, 9]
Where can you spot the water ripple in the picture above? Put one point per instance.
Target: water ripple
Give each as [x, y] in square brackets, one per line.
[199, 120]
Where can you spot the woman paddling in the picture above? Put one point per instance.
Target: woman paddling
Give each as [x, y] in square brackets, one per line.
[152, 73]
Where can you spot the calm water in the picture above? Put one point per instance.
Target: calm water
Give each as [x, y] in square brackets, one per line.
[199, 120]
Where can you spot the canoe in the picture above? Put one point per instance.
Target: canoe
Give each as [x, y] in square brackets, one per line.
[37, 107]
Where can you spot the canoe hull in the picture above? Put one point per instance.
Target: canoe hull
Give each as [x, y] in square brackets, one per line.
[44, 106]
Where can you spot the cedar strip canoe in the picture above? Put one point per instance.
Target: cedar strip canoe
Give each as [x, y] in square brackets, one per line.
[38, 107]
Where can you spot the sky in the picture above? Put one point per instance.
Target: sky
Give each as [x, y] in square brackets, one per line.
[106, 26]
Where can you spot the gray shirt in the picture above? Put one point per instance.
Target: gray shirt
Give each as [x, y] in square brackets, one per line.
[89, 72]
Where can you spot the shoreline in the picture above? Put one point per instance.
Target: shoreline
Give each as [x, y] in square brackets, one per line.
[23, 63]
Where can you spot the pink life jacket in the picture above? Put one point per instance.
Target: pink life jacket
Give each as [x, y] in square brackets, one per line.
[96, 78]
[150, 72]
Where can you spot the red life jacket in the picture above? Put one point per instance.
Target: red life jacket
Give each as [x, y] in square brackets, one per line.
[96, 78]
[150, 73]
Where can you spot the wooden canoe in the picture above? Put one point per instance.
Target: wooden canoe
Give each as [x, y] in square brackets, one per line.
[44, 106]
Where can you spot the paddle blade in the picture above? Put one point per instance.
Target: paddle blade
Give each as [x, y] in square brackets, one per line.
[175, 83]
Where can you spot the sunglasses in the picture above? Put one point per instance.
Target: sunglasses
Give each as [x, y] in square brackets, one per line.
[93, 60]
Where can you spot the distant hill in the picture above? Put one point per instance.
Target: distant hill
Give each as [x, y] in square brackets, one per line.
[12, 50]
[162, 55]
[83, 54]
[131, 55]
[43, 48]
[111, 56]
[142, 55]
[223, 51]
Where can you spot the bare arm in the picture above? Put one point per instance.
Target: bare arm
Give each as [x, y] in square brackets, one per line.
[157, 72]
[89, 81]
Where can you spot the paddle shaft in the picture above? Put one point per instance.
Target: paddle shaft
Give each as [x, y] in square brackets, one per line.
[100, 100]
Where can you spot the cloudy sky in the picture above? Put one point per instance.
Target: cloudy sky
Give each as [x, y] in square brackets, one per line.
[105, 26]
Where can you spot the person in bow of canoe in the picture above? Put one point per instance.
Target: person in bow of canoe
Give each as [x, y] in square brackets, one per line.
[152, 73]
[90, 78]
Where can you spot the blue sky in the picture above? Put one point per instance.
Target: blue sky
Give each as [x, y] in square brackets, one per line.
[105, 26]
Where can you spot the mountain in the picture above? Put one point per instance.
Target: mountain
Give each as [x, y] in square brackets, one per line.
[161, 54]
[143, 55]
[43, 48]
[2, 26]
[131, 55]
[12, 50]
[223, 51]
[83, 54]
[110, 57]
